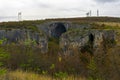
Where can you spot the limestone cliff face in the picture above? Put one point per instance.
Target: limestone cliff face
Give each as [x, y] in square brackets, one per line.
[57, 28]
[71, 36]
[24, 37]
[95, 39]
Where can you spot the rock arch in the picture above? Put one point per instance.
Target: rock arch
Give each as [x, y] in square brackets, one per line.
[58, 29]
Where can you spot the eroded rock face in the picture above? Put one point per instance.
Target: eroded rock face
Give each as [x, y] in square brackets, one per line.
[56, 28]
[24, 37]
[71, 36]
[94, 39]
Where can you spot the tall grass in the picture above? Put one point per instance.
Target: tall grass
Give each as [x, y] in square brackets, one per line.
[109, 25]
[20, 75]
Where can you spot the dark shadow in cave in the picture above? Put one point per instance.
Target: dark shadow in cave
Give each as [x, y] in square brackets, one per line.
[59, 30]
[91, 38]
[89, 47]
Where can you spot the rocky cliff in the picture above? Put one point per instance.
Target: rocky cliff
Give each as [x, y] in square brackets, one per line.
[70, 36]
[93, 39]
[24, 37]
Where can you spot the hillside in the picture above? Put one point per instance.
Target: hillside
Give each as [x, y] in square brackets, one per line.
[66, 49]
[89, 19]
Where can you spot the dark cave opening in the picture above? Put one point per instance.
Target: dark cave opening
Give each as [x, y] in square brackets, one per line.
[59, 30]
[91, 38]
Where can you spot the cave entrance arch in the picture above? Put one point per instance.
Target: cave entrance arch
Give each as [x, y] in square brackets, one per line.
[59, 30]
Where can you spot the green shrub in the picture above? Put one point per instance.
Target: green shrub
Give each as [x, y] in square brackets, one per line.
[61, 75]
[93, 71]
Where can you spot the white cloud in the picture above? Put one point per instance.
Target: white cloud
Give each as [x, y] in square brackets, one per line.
[106, 1]
[57, 8]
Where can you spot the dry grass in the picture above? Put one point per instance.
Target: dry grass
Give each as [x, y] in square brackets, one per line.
[114, 24]
[20, 75]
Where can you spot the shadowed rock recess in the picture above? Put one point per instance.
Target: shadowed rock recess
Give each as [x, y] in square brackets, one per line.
[83, 39]
[58, 30]
[70, 36]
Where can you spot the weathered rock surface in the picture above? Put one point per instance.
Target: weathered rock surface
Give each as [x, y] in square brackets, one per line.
[24, 37]
[56, 28]
[71, 36]
[79, 39]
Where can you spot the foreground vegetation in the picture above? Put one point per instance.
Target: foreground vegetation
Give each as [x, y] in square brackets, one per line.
[20, 75]
[102, 66]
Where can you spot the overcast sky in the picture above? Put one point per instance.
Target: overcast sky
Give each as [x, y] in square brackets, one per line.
[40, 9]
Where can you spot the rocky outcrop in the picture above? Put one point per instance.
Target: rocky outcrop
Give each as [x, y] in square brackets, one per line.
[24, 37]
[56, 28]
[79, 39]
[71, 36]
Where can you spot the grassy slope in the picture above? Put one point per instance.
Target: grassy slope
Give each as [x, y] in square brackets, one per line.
[80, 20]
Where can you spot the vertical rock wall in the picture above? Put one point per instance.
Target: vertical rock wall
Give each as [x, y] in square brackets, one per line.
[24, 37]
[95, 39]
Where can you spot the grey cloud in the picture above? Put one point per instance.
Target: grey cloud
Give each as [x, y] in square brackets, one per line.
[41, 4]
[72, 9]
[106, 1]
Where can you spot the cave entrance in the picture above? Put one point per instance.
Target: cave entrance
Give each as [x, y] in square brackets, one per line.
[91, 43]
[91, 39]
[59, 30]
